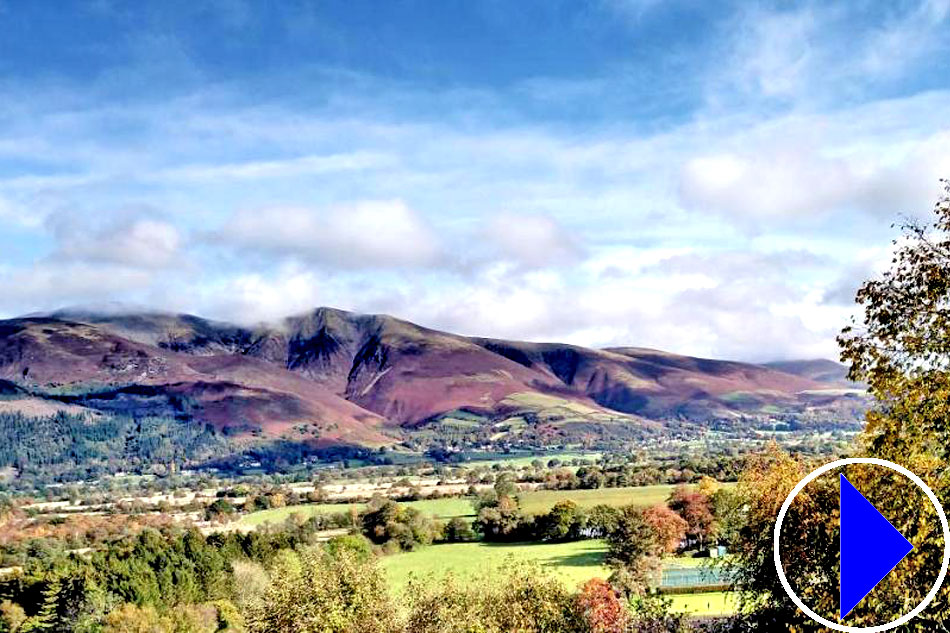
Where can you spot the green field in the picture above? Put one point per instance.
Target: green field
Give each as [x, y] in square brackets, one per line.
[279, 515]
[542, 500]
[532, 503]
[574, 563]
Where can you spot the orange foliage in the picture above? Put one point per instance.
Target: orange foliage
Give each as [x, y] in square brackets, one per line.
[601, 608]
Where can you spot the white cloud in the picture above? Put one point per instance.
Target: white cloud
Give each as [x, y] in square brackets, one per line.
[534, 240]
[48, 286]
[626, 202]
[727, 266]
[137, 242]
[740, 306]
[785, 179]
[255, 298]
[358, 235]
[753, 187]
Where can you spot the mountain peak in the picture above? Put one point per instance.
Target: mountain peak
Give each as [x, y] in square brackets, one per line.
[355, 375]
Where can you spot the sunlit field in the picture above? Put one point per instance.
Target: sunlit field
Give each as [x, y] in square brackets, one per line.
[531, 502]
[713, 603]
[543, 500]
[574, 563]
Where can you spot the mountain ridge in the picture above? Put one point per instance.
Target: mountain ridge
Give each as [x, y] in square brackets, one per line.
[330, 376]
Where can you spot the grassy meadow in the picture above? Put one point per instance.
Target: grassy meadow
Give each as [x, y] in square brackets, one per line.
[531, 502]
[543, 500]
[573, 563]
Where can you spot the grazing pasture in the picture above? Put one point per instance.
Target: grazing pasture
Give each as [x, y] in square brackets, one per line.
[574, 563]
[532, 502]
[538, 501]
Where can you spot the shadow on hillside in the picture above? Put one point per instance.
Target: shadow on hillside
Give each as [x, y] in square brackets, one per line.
[590, 555]
[583, 559]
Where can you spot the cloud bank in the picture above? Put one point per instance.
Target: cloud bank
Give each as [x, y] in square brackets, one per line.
[609, 177]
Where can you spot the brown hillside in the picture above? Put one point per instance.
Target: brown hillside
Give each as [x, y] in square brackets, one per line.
[335, 376]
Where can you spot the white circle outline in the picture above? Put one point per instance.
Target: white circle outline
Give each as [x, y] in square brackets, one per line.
[904, 619]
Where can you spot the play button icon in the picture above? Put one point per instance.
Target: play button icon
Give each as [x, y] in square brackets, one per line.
[870, 547]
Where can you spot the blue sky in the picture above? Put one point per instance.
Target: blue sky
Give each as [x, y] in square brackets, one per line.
[707, 178]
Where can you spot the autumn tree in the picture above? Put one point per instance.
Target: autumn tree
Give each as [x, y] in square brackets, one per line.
[499, 518]
[388, 522]
[459, 530]
[590, 477]
[900, 347]
[708, 486]
[669, 527]
[506, 486]
[356, 545]
[809, 546]
[130, 618]
[633, 550]
[220, 509]
[602, 520]
[12, 617]
[696, 510]
[601, 608]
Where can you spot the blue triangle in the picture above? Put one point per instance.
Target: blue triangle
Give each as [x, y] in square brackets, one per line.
[870, 547]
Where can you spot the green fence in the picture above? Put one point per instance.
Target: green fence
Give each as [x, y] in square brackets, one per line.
[706, 577]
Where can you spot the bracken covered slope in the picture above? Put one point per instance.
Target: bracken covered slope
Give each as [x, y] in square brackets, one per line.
[331, 376]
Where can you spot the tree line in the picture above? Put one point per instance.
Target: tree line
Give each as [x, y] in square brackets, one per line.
[180, 578]
[174, 581]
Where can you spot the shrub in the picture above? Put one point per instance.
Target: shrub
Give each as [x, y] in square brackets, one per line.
[314, 592]
[458, 530]
[523, 599]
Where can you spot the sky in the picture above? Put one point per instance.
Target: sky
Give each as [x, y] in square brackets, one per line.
[708, 178]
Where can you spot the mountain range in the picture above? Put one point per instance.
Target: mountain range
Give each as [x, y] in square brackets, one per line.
[331, 377]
